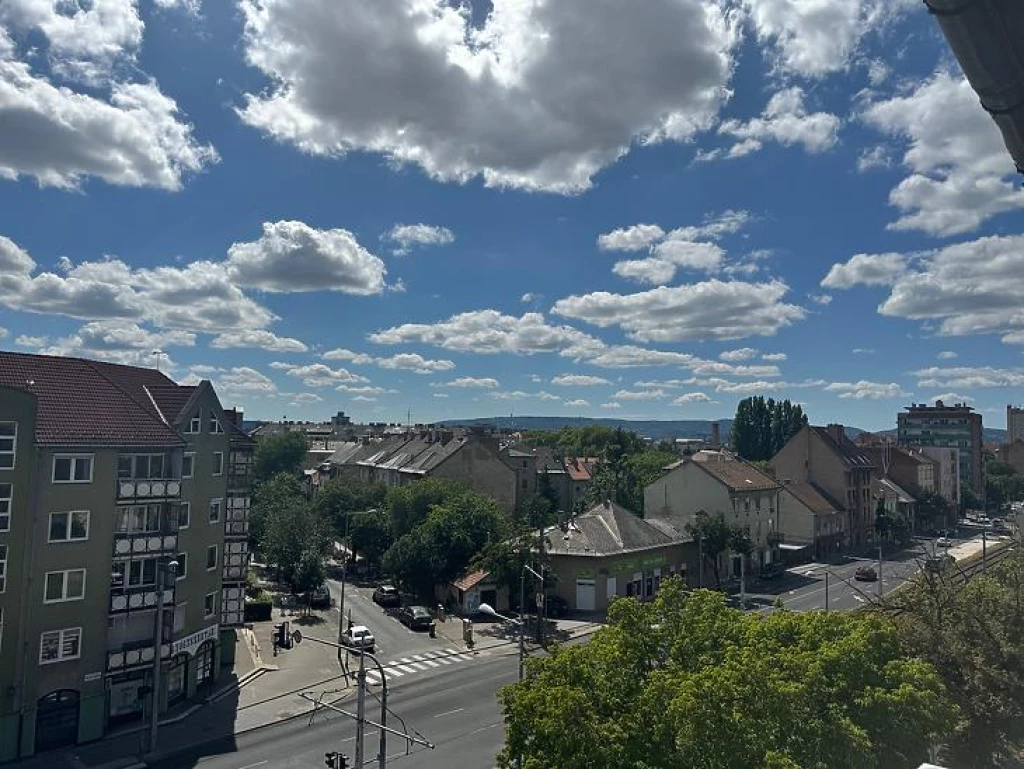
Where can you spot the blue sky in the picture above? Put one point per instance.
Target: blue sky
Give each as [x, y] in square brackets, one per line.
[586, 207]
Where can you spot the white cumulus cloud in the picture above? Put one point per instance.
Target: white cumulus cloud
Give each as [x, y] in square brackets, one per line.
[406, 236]
[538, 95]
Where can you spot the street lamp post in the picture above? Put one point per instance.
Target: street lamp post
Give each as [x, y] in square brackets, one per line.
[162, 570]
[344, 574]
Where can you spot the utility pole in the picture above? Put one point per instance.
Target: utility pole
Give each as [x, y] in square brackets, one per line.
[879, 571]
[743, 580]
[522, 619]
[162, 570]
[826, 590]
[542, 601]
[361, 711]
[700, 560]
[984, 547]
[341, 603]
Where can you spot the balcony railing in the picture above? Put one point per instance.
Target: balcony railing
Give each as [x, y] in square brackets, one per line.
[137, 598]
[134, 654]
[148, 543]
[148, 489]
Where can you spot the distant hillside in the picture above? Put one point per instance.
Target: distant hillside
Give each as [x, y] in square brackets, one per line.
[655, 429]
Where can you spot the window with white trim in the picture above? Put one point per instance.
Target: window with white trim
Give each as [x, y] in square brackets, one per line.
[72, 468]
[60, 645]
[8, 444]
[72, 526]
[184, 514]
[188, 464]
[63, 586]
[195, 424]
[3, 568]
[211, 557]
[141, 467]
[215, 509]
[215, 426]
[182, 565]
[209, 605]
[218, 463]
[6, 497]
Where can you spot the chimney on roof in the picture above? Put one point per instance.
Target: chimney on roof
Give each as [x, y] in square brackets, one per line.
[716, 435]
[836, 432]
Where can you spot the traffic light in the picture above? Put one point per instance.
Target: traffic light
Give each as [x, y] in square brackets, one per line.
[336, 760]
[281, 636]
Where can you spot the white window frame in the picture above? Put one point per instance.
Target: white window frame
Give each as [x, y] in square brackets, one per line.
[213, 611]
[148, 509]
[6, 505]
[12, 452]
[65, 576]
[216, 428]
[190, 455]
[217, 503]
[218, 464]
[74, 461]
[67, 528]
[3, 568]
[195, 424]
[182, 566]
[216, 557]
[62, 639]
[188, 516]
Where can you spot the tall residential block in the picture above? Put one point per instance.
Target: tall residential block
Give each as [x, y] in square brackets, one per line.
[1014, 424]
[956, 427]
[120, 492]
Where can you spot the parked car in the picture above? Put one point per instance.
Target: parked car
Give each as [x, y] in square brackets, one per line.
[865, 574]
[555, 607]
[320, 598]
[387, 596]
[944, 542]
[358, 637]
[415, 617]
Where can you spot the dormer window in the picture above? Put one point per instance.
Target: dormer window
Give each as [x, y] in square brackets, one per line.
[195, 424]
[215, 426]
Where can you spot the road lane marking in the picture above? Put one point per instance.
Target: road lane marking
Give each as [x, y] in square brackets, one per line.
[463, 657]
[250, 766]
[485, 728]
[440, 715]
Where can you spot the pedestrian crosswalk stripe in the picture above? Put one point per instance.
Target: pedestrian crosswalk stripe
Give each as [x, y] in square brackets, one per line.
[404, 668]
[462, 656]
[431, 663]
[418, 666]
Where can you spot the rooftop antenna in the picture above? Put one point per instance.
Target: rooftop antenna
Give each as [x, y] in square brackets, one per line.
[408, 417]
[156, 354]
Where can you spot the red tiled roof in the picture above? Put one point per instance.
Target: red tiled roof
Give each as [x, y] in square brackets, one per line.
[87, 403]
[734, 473]
[471, 580]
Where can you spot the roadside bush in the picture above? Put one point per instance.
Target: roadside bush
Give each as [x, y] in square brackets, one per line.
[259, 608]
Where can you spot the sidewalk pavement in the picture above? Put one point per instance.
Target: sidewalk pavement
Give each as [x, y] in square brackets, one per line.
[262, 690]
[490, 636]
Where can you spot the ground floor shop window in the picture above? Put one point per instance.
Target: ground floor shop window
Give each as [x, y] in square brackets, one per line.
[177, 675]
[124, 701]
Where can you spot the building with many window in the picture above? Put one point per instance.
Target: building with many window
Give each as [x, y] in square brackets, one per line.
[956, 427]
[120, 492]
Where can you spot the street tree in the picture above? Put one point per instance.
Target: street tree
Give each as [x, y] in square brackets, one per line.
[282, 453]
[441, 547]
[972, 633]
[341, 496]
[685, 681]
[309, 574]
[268, 497]
[408, 506]
[762, 426]
[716, 537]
[370, 535]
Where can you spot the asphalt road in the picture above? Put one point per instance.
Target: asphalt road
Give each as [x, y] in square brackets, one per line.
[459, 715]
[803, 588]
[393, 638]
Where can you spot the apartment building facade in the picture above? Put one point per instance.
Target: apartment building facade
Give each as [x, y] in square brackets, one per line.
[826, 458]
[115, 483]
[957, 426]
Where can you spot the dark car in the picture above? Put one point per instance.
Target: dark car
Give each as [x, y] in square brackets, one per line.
[320, 598]
[865, 574]
[387, 596]
[415, 617]
[939, 562]
[556, 607]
